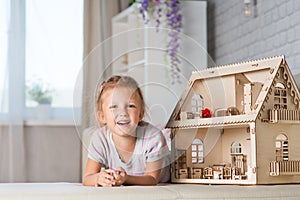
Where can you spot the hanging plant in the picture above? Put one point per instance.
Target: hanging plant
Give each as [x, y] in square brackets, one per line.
[158, 10]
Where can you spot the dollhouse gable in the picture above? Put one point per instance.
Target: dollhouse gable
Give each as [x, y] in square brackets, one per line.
[235, 94]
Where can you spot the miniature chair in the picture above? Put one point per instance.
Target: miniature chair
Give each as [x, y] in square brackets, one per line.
[196, 173]
[227, 173]
[183, 173]
[208, 172]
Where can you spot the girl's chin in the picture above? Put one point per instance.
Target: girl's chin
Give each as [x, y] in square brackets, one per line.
[126, 132]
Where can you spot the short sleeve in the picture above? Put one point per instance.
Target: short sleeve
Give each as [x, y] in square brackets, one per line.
[157, 147]
[96, 150]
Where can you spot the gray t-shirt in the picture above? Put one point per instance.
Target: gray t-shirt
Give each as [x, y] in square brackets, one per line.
[150, 146]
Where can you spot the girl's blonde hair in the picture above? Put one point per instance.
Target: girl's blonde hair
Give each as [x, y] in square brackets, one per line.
[119, 81]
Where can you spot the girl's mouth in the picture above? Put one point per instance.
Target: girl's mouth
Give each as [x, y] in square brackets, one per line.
[123, 123]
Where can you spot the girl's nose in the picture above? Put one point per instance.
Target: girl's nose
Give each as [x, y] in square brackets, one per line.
[123, 112]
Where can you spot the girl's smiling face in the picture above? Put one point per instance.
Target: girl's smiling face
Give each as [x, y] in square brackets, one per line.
[121, 110]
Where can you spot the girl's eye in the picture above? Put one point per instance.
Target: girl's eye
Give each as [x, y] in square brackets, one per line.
[131, 106]
[112, 106]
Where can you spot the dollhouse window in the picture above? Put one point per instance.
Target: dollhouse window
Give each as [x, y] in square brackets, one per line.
[197, 151]
[197, 103]
[282, 150]
[236, 147]
[280, 96]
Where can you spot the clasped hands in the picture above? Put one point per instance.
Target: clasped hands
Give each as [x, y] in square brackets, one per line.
[111, 177]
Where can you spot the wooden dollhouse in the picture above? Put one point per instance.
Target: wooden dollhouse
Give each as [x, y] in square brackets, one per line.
[238, 124]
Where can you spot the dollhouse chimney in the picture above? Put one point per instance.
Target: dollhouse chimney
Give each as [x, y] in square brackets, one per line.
[247, 98]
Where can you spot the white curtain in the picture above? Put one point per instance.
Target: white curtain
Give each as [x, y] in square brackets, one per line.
[12, 156]
[97, 28]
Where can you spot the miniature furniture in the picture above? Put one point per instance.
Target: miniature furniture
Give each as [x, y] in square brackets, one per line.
[75, 191]
[250, 133]
[196, 173]
[227, 173]
[208, 173]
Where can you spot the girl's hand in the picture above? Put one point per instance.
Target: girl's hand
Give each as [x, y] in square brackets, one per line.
[105, 178]
[120, 176]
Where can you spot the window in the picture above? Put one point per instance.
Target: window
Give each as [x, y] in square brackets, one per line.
[280, 97]
[282, 148]
[4, 8]
[197, 103]
[236, 148]
[53, 39]
[197, 151]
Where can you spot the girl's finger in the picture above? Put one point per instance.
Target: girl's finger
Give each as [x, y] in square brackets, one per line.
[110, 171]
[120, 171]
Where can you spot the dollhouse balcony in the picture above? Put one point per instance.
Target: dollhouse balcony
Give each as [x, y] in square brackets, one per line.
[197, 122]
[284, 116]
[278, 168]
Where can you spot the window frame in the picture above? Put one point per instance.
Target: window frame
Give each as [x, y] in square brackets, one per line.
[236, 148]
[280, 96]
[197, 103]
[197, 151]
[281, 147]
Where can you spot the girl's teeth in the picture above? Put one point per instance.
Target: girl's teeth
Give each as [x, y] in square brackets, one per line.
[123, 123]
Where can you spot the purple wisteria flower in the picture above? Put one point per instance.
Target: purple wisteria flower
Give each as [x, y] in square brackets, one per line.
[173, 16]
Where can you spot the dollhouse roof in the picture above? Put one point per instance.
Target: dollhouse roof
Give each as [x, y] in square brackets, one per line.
[261, 72]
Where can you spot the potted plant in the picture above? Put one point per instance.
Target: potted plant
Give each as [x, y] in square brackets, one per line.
[41, 93]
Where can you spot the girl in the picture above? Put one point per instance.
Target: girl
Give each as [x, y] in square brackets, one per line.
[126, 150]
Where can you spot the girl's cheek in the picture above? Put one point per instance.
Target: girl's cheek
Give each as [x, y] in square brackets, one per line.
[113, 113]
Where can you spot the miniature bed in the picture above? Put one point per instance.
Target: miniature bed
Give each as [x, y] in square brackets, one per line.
[64, 191]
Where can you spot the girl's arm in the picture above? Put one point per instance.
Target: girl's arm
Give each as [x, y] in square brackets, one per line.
[94, 176]
[150, 177]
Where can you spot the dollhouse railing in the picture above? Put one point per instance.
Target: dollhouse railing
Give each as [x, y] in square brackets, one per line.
[285, 168]
[276, 115]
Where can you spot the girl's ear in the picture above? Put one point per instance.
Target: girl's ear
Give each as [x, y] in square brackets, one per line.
[101, 117]
[142, 114]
